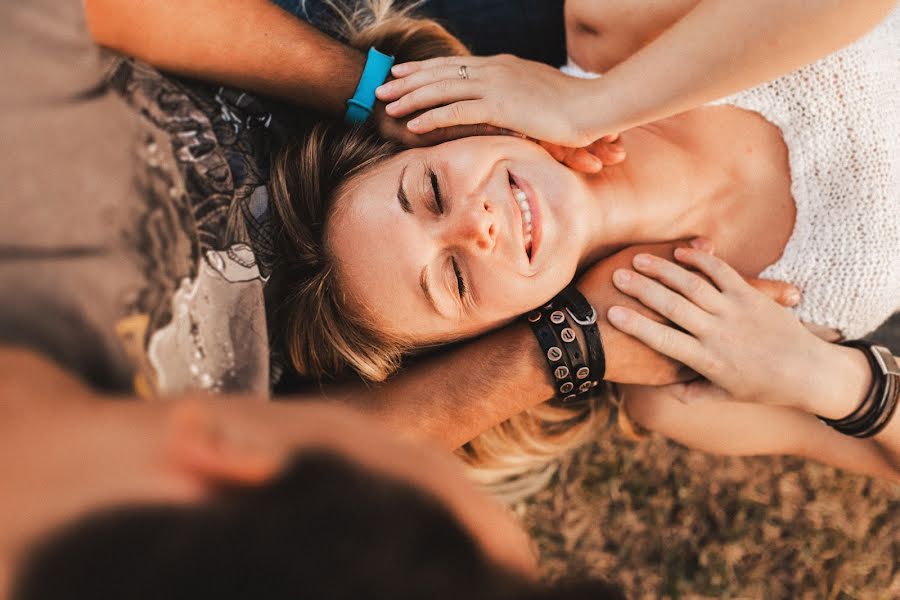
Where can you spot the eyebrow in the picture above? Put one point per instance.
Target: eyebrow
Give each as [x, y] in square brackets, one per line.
[401, 194]
[423, 282]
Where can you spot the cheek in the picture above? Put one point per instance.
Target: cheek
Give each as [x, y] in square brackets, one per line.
[504, 299]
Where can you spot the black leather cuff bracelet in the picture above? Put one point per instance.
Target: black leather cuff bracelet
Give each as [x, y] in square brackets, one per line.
[880, 403]
[551, 347]
[554, 325]
[585, 316]
[577, 362]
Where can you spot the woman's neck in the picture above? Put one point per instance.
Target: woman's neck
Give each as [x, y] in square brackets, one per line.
[685, 177]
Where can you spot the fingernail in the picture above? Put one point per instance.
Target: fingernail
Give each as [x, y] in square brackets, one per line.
[399, 70]
[793, 297]
[680, 253]
[642, 261]
[616, 314]
[621, 276]
[390, 108]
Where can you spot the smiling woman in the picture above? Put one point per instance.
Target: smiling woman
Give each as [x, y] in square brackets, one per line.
[386, 251]
[475, 233]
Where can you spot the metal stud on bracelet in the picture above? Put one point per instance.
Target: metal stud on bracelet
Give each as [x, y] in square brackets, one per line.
[551, 347]
[554, 325]
[576, 360]
[584, 315]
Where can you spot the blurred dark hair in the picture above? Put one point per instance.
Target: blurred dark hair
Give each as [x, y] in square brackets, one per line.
[326, 529]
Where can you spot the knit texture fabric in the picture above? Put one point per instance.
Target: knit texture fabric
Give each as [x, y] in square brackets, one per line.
[840, 118]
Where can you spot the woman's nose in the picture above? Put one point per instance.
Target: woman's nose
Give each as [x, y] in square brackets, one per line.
[478, 226]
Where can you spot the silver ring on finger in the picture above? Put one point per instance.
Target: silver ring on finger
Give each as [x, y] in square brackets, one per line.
[463, 72]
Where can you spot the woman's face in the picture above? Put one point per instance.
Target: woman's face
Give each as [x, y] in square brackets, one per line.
[448, 242]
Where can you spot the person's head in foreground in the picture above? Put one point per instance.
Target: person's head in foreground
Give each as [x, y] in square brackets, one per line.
[354, 514]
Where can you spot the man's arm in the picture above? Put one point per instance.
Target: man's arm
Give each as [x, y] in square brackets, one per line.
[453, 397]
[250, 44]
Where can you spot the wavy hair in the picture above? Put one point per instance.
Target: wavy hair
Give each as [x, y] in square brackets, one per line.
[324, 332]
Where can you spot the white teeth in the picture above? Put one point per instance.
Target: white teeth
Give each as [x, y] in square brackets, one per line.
[522, 201]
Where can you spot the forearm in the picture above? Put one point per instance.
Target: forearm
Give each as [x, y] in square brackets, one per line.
[744, 429]
[843, 382]
[250, 44]
[453, 397]
[718, 48]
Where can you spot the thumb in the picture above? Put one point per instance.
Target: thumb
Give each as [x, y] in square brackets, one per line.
[207, 446]
[454, 132]
[781, 292]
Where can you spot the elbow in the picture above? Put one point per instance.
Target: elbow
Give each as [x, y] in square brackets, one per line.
[101, 17]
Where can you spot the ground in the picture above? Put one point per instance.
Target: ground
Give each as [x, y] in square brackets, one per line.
[666, 522]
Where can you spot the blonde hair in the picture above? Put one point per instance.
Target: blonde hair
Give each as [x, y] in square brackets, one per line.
[325, 333]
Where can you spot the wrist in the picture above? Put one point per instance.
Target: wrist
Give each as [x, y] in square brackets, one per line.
[595, 110]
[844, 377]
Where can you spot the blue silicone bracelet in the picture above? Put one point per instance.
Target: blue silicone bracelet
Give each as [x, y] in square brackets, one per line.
[359, 107]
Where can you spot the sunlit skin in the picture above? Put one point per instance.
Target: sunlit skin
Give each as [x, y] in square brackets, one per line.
[684, 177]
[95, 453]
[600, 35]
[382, 249]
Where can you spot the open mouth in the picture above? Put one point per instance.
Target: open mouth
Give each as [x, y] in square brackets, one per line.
[521, 199]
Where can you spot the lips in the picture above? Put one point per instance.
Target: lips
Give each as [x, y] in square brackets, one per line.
[524, 196]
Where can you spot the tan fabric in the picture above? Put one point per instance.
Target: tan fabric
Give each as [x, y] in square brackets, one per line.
[98, 230]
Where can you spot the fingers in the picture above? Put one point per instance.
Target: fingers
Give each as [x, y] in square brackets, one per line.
[781, 292]
[434, 94]
[467, 112]
[721, 274]
[590, 159]
[579, 159]
[397, 88]
[662, 300]
[699, 391]
[609, 153]
[439, 136]
[404, 69]
[666, 340]
[687, 284]
[555, 150]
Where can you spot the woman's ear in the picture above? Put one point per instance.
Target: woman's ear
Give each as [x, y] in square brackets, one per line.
[206, 444]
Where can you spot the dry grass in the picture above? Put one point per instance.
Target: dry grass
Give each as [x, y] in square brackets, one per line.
[666, 522]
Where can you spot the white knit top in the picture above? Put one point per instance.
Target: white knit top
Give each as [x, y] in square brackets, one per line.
[840, 118]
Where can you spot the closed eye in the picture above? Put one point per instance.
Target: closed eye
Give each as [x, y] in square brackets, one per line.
[460, 282]
[436, 192]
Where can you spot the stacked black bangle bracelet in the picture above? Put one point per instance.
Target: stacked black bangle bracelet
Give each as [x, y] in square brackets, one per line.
[554, 325]
[880, 403]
